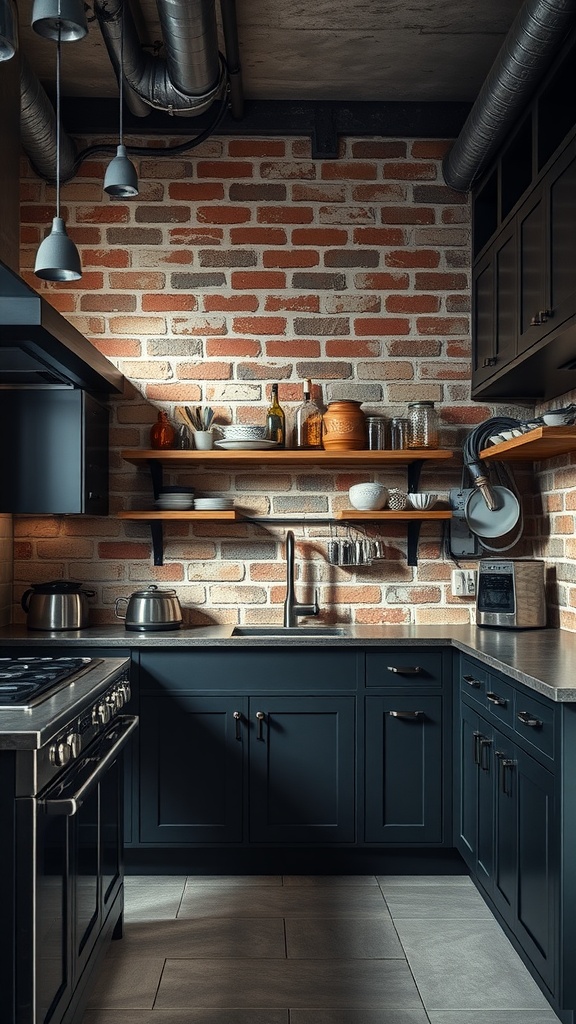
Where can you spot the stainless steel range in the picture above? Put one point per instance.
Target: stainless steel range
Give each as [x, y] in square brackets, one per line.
[61, 737]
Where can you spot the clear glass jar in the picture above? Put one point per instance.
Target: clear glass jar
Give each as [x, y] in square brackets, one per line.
[422, 425]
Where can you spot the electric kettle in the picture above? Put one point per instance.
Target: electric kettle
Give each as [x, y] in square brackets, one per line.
[57, 605]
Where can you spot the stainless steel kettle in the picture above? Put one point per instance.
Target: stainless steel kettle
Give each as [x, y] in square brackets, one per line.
[151, 609]
[57, 605]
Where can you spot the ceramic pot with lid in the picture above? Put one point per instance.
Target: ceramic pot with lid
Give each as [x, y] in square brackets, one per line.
[56, 605]
[150, 609]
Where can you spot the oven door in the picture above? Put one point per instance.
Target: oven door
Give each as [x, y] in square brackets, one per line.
[78, 871]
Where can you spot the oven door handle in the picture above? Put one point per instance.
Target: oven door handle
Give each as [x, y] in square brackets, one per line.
[68, 806]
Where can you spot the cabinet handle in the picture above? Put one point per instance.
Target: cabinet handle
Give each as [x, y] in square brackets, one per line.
[495, 699]
[238, 719]
[527, 719]
[472, 681]
[260, 716]
[411, 715]
[484, 760]
[505, 764]
[490, 361]
[541, 317]
[407, 670]
[475, 739]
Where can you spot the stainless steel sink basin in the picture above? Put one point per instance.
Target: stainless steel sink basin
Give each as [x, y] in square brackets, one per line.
[294, 631]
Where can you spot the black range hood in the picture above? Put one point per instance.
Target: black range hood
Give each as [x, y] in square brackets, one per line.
[40, 348]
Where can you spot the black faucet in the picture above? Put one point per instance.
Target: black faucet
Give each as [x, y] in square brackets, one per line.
[292, 609]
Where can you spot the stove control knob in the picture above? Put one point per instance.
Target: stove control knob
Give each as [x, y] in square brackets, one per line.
[101, 713]
[113, 702]
[119, 697]
[125, 687]
[60, 754]
[74, 741]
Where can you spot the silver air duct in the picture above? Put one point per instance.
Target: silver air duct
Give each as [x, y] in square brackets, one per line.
[191, 77]
[535, 36]
[38, 128]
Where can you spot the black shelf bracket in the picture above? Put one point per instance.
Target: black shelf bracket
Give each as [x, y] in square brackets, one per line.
[157, 531]
[414, 470]
[413, 536]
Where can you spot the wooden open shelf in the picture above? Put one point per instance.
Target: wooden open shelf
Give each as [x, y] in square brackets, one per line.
[231, 515]
[174, 460]
[407, 516]
[540, 443]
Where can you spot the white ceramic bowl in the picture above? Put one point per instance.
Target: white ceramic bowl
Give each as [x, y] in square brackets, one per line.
[368, 497]
[242, 432]
[554, 419]
[421, 501]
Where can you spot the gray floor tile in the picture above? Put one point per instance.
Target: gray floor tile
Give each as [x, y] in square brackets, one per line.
[360, 1016]
[169, 882]
[435, 901]
[206, 938]
[493, 1017]
[387, 881]
[330, 938]
[153, 904]
[289, 983]
[238, 881]
[199, 1017]
[128, 983]
[467, 965]
[284, 901]
[327, 880]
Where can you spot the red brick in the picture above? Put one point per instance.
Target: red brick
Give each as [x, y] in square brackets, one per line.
[407, 215]
[412, 304]
[123, 550]
[285, 215]
[355, 349]
[319, 236]
[410, 171]
[105, 258]
[107, 302]
[204, 371]
[223, 214]
[440, 282]
[233, 347]
[111, 214]
[412, 258]
[89, 282]
[381, 326]
[382, 281]
[256, 147]
[303, 348]
[258, 236]
[120, 348]
[382, 192]
[431, 149]
[265, 280]
[169, 302]
[342, 171]
[195, 236]
[147, 281]
[291, 258]
[378, 236]
[195, 192]
[224, 169]
[384, 149]
[318, 193]
[231, 303]
[63, 301]
[259, 324]
[288, 170]
[442, 325]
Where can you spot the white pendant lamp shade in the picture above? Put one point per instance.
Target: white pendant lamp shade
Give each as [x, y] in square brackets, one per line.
[67, 17]
[121, 179]
[8, 29]
[57, 258]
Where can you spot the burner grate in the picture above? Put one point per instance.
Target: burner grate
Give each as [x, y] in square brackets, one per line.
[26, 681]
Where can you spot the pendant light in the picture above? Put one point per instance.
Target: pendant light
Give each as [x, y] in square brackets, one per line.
[8, 29]
[60, 19]
[57, 258]
[121, 179]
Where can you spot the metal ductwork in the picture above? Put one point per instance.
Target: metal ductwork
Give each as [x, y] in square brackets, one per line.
[191, 76]
[38, 128]
[533, 40]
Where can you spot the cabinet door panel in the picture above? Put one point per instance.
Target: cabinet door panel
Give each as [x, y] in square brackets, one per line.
[563, 238]
[302, 778]
[483, 365]
[505, 828]
[536, 883]
[532, 252]
[404, 799]
[190, 769]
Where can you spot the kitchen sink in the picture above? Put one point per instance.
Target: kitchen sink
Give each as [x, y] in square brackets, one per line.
[294, 631]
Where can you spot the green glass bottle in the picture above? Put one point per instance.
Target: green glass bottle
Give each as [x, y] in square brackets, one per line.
[276, 420]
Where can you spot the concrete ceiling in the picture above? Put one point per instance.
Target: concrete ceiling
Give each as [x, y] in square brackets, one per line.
[370, 50]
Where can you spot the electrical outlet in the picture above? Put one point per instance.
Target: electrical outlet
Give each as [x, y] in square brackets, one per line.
[463, 583]
[463, 543]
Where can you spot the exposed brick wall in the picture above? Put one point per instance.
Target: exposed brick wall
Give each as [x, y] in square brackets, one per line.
[243, 263]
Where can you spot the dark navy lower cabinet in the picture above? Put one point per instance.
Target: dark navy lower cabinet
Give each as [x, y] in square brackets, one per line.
[404, 769]
[474, 795]
[301, 769]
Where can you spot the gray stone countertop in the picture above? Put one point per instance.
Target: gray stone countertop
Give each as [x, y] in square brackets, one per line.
[542, 659]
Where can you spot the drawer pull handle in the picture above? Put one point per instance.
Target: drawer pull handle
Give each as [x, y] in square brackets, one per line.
[495, 699]
[411, 715]
[260, 716]
[527, 719]
[237, 720]
[505, 764]
[406, 670]
[472, 681]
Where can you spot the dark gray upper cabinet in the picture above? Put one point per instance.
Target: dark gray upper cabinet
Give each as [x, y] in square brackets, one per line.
[524, 231]
[54, 456]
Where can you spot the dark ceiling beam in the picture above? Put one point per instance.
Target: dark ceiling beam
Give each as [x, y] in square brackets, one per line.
[323, 121]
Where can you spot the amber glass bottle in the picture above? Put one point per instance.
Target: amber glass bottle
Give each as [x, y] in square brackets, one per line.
[162, 434]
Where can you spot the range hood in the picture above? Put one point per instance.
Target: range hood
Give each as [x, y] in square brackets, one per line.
[40, 348]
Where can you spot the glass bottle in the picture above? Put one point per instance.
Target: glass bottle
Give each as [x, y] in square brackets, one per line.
[276, 420]
[308, 421]
[422, 425]
[162, 434]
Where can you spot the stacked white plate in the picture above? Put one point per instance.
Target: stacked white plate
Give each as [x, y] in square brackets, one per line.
[213, 503]
[174, 502]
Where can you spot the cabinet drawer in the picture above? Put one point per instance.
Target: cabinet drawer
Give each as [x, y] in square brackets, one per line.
[474, 681]
[534, 722]
[412, 665]
[499, 699]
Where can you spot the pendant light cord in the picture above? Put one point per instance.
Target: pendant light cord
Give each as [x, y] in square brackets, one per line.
[58, 57]
[121, 78]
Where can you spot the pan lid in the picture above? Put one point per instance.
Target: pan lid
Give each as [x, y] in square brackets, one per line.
[486, 523]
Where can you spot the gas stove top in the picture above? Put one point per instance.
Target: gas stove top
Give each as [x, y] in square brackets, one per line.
[25, 682]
